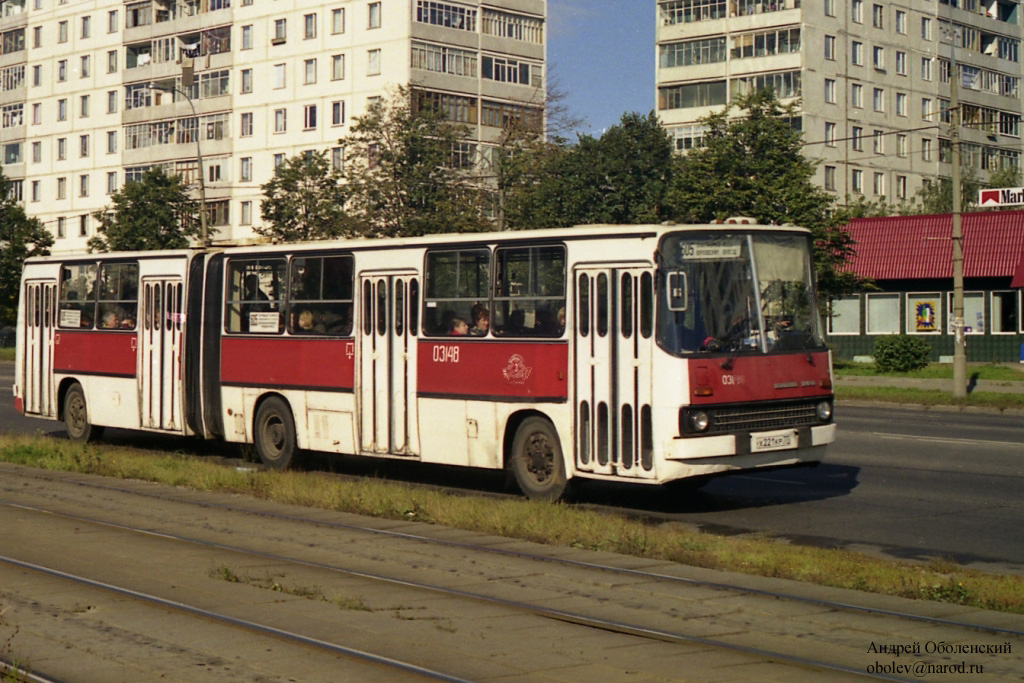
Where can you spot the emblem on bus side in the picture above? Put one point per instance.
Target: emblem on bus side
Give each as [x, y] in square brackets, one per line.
[516, 370]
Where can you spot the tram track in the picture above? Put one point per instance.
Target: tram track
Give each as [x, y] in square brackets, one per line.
[641, 626]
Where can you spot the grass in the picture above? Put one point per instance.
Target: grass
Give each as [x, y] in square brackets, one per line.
[989, 371]
[7, 354]
[562, 525]
[988, 400]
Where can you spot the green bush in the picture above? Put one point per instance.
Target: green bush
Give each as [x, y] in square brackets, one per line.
[900, 353]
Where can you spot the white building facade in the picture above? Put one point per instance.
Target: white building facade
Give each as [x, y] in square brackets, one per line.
[88, 101]
[872, 79]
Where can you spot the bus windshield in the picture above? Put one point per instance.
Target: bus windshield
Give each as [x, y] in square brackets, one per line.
[736, 293]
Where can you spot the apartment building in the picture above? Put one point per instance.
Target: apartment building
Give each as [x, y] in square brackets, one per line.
[94, 92]
[872, 79]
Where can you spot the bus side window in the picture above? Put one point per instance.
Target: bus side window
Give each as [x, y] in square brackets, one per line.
[320, 295]
[77, 300]
[118, 295]
[602, 305]
[457, 284]
[626, 295]
[583, 307]
[414, 306]
[646, 305]
[255, 295]
[529, 293]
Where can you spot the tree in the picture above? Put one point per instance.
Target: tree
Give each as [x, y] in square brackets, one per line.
[408, 170]
[621, 177]
[755, 166]
[155, 212]
[937, 196]
[305, 201]
[20, 238]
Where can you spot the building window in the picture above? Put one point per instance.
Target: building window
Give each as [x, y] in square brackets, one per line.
[278, 160]
[246, 218]
[877, 16]
[35, 190]
[878, 142]
[338, 113]
[62, 110]
[37, 114]
[857, 53]
[309, 26]
[878, 99]
[373, 63]
[857, 11]
[974, 313]
[883, 314]
[83, 145]
[926, 109]
[280, 120]
[901, 63]
[246, 125]
[337, 158]
[83, 107]
[37, 152]
[926, 28]
[857, 181]
[111, 101]
[85, 26]
[279, 76]
[844, 316]
[111, 61]
[83, 186]
[901, 22]
[830, 178]
[62, 188]
[830, 134]
[247, 37]
[62, 71]
[83, 225]
[901, 104]
[926, 149]
[111, 182]
[878, 57]
[62, 149]
[112, 21]
[337, 67]
[309, 117]
[37, 37]
[857, 95]
[62, 227]
[280, 31]
[62, 32]
[878, 185]
[111, 142]
[247, 80]
[858, 138]
[901, 144]
[310, 71]
[830, 90]
[830, 8]
[901, 187]
[373, 19]
[830, 47]
[926, 68]
[84, 71]
[37, 75]
[337, 21]
[1005, 312]
[246, 169]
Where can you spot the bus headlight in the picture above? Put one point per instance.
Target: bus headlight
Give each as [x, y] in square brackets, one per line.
[824, 410]
[699, 421]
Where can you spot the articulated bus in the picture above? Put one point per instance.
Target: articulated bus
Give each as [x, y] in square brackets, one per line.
[647, 354]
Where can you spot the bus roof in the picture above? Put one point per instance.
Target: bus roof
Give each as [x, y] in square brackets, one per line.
[579, 232]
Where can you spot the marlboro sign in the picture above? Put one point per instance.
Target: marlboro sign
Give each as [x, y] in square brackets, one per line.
[1006, 196]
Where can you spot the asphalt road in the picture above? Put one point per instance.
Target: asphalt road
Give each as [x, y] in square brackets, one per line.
[899, 482]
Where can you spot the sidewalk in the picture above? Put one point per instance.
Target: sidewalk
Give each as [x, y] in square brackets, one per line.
[998, 386]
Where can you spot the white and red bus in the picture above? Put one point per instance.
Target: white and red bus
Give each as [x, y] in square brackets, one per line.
[645, 354]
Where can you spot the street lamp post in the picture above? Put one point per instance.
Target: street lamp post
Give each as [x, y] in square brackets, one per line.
[959, 345]
[199, 156]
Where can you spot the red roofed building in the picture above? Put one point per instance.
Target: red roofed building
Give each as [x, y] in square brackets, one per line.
[910, 259]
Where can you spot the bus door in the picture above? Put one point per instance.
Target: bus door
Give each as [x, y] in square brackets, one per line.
[387, 368]
[613, 344]
[40, 299]
[161, 321]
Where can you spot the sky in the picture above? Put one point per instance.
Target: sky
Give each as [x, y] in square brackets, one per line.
[601, 56]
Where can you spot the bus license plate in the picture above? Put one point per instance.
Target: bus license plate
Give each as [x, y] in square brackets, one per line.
[773, 441]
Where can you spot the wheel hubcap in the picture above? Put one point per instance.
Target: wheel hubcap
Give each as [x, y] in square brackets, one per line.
[540, 458]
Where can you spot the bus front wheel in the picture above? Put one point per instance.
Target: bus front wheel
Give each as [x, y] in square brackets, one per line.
[537, 460]
[76, 416]
[275, 434]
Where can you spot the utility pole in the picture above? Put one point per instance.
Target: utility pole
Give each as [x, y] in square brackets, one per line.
[959, 343]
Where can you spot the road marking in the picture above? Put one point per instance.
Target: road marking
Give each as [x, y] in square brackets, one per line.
[937, 439]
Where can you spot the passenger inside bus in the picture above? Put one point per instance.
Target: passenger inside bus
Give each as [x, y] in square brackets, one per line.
[459, 327]
[110, 321]
[481, 320]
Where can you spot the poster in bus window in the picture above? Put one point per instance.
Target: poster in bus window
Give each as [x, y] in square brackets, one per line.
[263, 322]
[924, 318]
[70, 318]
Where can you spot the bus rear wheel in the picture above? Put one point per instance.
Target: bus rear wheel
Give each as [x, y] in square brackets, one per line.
[537, 462]
[76, 416]
[275, 434]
